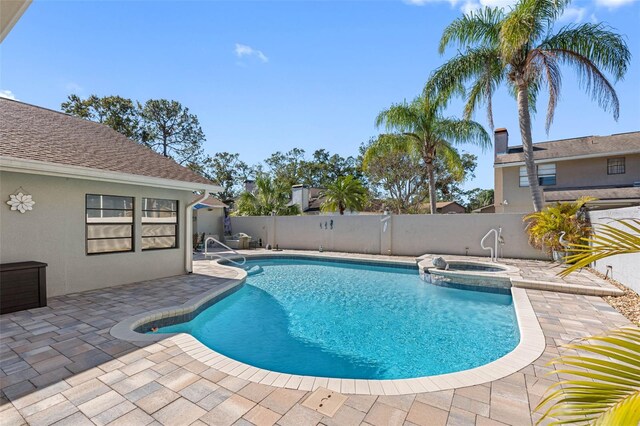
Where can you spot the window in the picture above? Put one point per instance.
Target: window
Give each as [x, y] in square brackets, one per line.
[615, 166]
[159, 224]
[109, 224]
[546, 175]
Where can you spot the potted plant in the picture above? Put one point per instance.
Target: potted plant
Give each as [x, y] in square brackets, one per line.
[555, 227]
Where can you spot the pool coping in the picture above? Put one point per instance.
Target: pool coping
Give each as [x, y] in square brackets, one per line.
[530, 347]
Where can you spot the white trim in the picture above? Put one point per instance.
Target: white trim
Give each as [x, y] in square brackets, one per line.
[575, 157]
[188, 230]
[18, 165]
[14, 19]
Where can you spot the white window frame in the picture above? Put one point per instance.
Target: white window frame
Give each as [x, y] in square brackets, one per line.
[545, 170]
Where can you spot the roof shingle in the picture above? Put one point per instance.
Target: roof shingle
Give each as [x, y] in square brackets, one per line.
[33, 133]
[587, 145]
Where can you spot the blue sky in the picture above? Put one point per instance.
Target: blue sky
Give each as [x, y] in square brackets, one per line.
[273, 75]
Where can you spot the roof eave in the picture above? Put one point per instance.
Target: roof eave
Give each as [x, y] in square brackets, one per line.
[18, 165]
[572, 157]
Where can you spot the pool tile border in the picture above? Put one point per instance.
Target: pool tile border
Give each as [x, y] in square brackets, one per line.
[530, 347]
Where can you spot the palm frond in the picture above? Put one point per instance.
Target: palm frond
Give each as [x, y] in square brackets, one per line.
[481, 28]
[598, 43]
[452, 159]
[609, 393]
[592, 49]
[608, 240]
[346, 193]
[399, 117]
[527, 22]
[390, 144]
[482, 90]
[475, 64]
[543, 66]
[463, 132]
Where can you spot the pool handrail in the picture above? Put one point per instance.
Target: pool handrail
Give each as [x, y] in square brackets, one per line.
[227, 258]
[493, 251]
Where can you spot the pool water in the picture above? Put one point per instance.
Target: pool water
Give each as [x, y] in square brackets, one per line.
[349, 320]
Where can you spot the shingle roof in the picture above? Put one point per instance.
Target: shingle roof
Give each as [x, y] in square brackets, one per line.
[626, 193]
[33, 133]
[211, 201]
[587, 145]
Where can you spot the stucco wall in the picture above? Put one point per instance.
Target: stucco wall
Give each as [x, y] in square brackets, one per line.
[209, 221]
[624, 268]
[54, 233]
[410, 235]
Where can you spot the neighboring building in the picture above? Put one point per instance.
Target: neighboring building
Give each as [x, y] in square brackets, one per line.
[444, 207]
[208, 216]
[107, 210]
[309, 199]
[605, 167]
[491, 208]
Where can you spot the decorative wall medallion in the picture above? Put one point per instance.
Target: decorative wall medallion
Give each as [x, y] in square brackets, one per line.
[21, 202]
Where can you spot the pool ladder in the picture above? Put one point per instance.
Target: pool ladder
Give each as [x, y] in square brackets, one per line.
[497, 238]
[228, 258]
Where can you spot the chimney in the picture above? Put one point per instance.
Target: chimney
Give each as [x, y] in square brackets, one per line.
[300, 196]
[249, 185]
[501, 141]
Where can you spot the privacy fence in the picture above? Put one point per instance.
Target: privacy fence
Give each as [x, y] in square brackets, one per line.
[624, 267]
[408, 235]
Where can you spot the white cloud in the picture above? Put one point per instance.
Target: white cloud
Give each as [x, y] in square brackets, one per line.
[470, 6]
[73, 87]
[243, 50]
[7, 94]
[423, 2]
[612, 4]
[498, 3]
[466, 6]
[573, 14]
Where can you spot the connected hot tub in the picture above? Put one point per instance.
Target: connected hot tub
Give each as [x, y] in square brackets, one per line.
[467, 273]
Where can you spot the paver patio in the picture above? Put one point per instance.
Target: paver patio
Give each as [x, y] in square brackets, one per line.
[60, 365]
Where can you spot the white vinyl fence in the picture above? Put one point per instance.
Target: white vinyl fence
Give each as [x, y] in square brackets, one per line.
[409, 235]
[624, 268]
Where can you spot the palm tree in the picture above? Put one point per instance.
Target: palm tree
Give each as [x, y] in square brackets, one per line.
[345, 193]
[431, 134]
[519, 48]
[605, 389]
[609, 240]
[268, 197]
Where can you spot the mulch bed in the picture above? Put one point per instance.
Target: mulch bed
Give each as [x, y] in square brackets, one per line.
[628, 304]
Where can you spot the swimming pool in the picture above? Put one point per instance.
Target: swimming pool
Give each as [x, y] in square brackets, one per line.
[354, 320]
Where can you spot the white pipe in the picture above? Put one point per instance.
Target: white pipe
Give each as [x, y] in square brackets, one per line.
[188, 231]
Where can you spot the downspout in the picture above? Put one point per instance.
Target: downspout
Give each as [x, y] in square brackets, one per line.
[188, 237]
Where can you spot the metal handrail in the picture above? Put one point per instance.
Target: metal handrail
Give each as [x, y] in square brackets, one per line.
[492, 250]
[206, 253]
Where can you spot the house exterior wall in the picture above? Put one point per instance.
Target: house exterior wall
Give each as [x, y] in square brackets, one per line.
[54, 232]
[452, 208]
[409, 235]
[588, 172]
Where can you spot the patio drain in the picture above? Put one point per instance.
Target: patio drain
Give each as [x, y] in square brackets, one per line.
[325, 401]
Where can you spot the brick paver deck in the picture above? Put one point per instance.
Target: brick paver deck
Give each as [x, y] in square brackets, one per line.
[59, 365]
